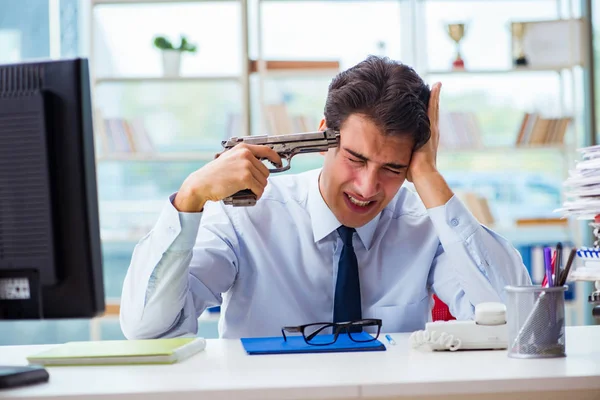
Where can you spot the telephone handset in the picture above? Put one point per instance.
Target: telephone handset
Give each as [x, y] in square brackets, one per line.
[487, 331]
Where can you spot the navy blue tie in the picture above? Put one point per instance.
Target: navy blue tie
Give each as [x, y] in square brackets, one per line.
[346, 305]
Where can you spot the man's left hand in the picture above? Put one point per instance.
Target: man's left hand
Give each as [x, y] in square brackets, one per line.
[422, 171]
[423, 160]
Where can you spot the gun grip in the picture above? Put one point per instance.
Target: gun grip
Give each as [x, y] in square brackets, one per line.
[243, 198]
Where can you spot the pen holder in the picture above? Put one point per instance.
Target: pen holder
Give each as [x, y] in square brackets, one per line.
[536, 321]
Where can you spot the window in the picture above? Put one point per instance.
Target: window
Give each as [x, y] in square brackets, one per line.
[178, 122]
[38, 29]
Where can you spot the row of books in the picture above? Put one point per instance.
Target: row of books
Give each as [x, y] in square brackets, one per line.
[120, 135]
[538, 130]
[457, 130]
[460, 130]
[533, 259]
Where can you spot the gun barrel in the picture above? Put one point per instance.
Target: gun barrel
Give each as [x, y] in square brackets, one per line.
[286, 146]
[328, 137]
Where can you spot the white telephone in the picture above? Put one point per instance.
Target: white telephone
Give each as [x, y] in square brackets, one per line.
[487, 331]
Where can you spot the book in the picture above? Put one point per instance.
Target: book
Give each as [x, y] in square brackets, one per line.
[296, 344]
[111, 352]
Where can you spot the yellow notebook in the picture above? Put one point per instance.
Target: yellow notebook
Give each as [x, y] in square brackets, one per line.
[111, 352]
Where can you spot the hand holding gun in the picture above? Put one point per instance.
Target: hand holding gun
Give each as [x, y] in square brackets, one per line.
[287, 146]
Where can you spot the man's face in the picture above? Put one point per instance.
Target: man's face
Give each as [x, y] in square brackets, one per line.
[362, 176]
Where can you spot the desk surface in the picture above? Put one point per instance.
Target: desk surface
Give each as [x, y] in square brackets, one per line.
[223, 370]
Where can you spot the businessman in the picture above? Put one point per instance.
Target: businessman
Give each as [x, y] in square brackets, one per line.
[344, 242]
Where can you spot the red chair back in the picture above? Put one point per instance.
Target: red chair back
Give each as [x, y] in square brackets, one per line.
[440, 311]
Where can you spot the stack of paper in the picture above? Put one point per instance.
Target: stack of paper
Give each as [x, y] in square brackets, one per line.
[582, 187]
[582, 192]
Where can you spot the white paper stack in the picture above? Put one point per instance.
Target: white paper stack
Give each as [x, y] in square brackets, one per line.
[582, 193]
[582, 187]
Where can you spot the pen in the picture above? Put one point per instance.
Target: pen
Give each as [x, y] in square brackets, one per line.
[545, 282]
[565, 273]
[548, 265]
[557, 264]
[389, 339]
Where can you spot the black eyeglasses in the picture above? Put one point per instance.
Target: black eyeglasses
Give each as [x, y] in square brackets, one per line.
[314, 334]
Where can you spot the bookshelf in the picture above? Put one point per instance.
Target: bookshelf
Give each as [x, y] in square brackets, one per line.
[126, 142]
[551, 128]
[136, 149]
[259, 69]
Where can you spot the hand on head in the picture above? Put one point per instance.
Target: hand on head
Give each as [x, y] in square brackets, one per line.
[424, 159]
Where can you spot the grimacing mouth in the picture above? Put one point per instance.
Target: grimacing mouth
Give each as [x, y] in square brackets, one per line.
[358, 202]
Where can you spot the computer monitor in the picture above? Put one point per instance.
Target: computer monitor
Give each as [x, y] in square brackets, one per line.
[50, 254]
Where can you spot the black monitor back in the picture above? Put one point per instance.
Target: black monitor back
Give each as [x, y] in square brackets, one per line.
[50, 252]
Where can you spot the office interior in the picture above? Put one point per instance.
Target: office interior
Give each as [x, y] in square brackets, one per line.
[256, 67]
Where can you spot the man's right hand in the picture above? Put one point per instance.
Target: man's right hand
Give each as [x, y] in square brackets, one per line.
[233, 170]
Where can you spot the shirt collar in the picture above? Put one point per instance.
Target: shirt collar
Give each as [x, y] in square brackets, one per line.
[324, 222]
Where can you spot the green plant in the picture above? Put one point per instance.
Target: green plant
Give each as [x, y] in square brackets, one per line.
[162, 43]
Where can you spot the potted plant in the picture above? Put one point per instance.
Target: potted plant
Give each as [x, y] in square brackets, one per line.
[171, 55]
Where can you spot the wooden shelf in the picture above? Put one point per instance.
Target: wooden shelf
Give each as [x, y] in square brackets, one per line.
[295, 67]
[542, 222]
[497, 71]
[112, 308]
[159, 157]
[300, 73]
[165, 79]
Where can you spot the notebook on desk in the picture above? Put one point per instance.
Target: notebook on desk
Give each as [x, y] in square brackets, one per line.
[112, 352]
[296, 344]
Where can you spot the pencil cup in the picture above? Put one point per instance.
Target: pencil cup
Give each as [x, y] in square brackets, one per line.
[536, 321]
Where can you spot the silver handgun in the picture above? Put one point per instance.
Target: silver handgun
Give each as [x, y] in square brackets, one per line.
[287, 146]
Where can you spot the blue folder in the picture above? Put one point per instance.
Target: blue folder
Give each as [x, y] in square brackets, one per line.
[296, 344]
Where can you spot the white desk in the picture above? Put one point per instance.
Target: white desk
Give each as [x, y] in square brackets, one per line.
[224, 371]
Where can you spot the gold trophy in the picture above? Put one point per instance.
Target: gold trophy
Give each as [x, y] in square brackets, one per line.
[518, 32]
[456, 33]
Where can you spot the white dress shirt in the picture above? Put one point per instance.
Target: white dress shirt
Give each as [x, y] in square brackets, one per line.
[275, 264]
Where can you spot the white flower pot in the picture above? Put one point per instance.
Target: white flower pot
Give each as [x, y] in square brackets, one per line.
[171, 62]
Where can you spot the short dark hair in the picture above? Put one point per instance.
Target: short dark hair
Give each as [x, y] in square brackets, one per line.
[392, 95]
